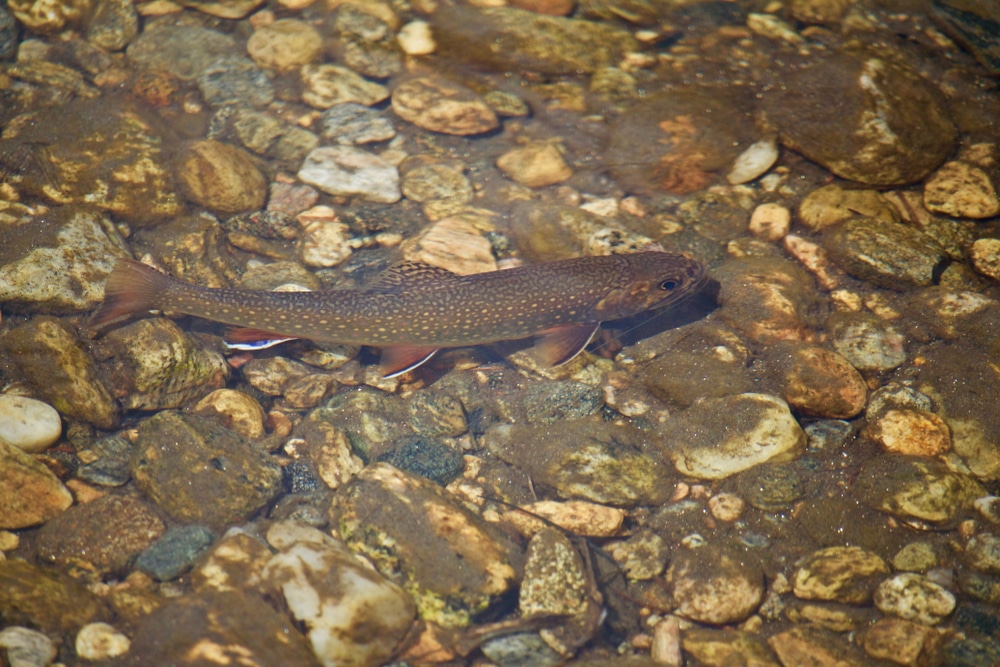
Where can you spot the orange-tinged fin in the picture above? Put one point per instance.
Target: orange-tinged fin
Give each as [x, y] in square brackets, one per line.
[132, 287]
[558, 346]
[401, 359]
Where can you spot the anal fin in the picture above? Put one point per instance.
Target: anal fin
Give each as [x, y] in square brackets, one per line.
[401, 359]
[560, 345]
[241, 338]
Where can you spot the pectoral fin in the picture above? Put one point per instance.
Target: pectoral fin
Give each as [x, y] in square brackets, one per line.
[558, 346]
[398, 360]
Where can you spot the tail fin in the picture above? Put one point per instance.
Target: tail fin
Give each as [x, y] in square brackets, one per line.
[132, 287]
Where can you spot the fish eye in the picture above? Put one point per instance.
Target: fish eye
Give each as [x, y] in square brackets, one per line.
[668, 285]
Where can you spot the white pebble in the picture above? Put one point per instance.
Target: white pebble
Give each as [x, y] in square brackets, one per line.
[753, 162]
[100, 641]
[416, 38]
[770, 221]
[29, 425]
[27, 648]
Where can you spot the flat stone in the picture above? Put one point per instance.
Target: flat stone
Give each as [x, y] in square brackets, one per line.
[535, 165]
[766, 299]
[29, 493]
[100, 641]
[25, 647]
[817, 381]
[181, 51]
[174, 552]
[985, 257]
[710, 585]
[914, 597]
[902, 642]
[350, 172]
[437, 104]
[892, 255]
[285, 45]
[916, 488]
[912, 432]
[105, 534]
[451, 562]
[200, 472]
[48, 600]
[351, 123]
[832, 204]
[809, 645]
[961, 190]
[326, 86]
[225, 9]
[841, 574]
[723, 436]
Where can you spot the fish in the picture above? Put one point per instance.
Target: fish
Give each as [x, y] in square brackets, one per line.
[412, 309]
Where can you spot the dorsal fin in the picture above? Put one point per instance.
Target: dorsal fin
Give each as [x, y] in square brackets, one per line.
[409, 275]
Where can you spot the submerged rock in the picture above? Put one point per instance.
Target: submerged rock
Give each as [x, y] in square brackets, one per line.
[355, 617]
[198, 471]
[451, 562]
[29, 493]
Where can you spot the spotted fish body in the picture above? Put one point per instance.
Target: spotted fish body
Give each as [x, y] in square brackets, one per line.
[420, 308]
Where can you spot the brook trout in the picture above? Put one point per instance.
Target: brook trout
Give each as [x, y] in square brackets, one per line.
[413, 309]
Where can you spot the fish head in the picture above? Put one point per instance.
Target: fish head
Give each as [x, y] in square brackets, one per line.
[651, 280]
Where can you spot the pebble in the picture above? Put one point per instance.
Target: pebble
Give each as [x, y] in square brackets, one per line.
[29, 493]
[912, 432]
[536, 165]
[174, 552]
[916, 488]
[557, 583]
[867, 342]
[160, 366]
[961, 190]
[771, 487]
[224, 9]
[893, 256]
[113, 25]
[915, 557]
[455, 243]
[104, 535]
[584, 459]
[28, 424]
[328, 447]
[521, 649]
[24, 647]
[726, 506]
[902, 642]
[221, 177]
[233, 563]
[437, 104]
[237, 410]
[833, 204]
[989, 508]
[288, 200]
[396, 519]
[985, 257]
[48, 18]
[754, 163]
[839, 574]
[235, 80]
[350, 172]
[913, 597]
[436, 181]
[817, 381]
[427, 457]
[416, 38]
[285, 45]
[364, 39]
[333, 594]
[770, 222]
[983, 553]
[713, 646]
[200, 472]
[326, 86]
[720, 437]
[712, 586]
[324, 241]
[352, 124]
[100, 641]
[643, 556]
[828, 434]
[577, 517]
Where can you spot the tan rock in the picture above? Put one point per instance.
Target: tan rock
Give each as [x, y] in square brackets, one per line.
[770, 221]
[535, 165]
[437, 104]
[285, 45]
[578, 517]
[902, 642]
[237, 410]
[913, 432]
[29, 493]
[961, 190]
[841, 574]
[221, 177]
